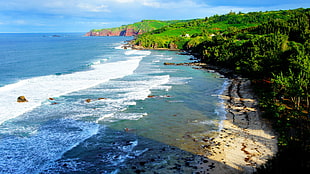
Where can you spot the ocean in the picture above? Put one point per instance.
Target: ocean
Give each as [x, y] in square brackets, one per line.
[94, 107]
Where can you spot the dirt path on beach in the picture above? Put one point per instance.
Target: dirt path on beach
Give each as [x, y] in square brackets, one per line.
[246, 140]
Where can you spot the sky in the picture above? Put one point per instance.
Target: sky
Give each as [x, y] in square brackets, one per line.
[48, 16]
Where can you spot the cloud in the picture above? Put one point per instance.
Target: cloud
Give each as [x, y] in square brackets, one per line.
[125, 1]
[19, 22]
[84, 15]
[92, 8]
[152, 4]
[68, 7]
[251, 3]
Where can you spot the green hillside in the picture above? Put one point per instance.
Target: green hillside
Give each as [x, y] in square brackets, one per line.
[144, 25]
[271, 48]
[202, 29]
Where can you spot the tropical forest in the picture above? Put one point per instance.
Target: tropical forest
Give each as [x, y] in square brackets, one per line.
[272, 49]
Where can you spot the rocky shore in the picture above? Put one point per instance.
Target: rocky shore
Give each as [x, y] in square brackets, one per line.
[246, 140]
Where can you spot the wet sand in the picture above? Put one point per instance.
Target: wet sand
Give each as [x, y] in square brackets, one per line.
[246, 140]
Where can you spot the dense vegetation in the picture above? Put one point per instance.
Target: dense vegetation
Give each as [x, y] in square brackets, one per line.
[144, 25]
[271, 48]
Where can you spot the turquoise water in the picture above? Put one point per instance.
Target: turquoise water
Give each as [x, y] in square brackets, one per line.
[138, 106]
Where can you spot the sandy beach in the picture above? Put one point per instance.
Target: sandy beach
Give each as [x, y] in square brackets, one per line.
[246, 140]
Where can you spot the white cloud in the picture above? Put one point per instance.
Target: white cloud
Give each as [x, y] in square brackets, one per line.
[87, 14]
[92, 7]
[152, 4]
[125, 1]
[20, 22]
[93, 23]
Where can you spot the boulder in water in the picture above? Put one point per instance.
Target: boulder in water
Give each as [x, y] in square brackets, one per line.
[102, 98]
[22, 99]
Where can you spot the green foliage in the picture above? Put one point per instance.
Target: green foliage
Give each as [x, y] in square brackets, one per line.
[271, 47]
[288, 22]
[144, 25]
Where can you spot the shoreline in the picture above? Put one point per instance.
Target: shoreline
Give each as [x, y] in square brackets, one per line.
[245, 140]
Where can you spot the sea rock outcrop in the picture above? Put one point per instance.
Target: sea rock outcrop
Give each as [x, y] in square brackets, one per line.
[88, 100]
[22, 99]
[120, 32]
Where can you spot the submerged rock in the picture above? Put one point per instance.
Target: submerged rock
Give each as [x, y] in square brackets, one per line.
[167, 63]
[22, 99]
[102, 98]
[88, 100]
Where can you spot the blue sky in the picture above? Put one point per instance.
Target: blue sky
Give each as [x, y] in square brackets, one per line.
[84, 15]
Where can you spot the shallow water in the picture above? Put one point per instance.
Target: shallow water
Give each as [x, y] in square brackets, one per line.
[111, 110]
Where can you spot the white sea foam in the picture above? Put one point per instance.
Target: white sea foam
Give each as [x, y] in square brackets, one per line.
[166, 58]
[120, 47]
[137, 52]
[128, 93]
[179, 80]
[38, 89]
[220, 109]
[31, 155]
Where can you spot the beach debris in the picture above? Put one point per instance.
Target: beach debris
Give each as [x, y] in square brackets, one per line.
[22, 99]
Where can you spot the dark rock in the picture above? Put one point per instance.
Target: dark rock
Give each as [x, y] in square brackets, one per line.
[102, 98]
[166, 63]
[22, 99]
[142, 163]
[151, 96]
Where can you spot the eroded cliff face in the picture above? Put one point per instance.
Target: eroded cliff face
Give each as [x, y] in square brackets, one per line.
[132, 29]
[124, 32]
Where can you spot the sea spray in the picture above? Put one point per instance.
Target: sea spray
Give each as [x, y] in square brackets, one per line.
[39, 89]
[220, 110]
[103, 127]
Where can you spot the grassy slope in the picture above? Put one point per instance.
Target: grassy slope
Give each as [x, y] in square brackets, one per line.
[207, 26]
[144, 25]
[262, 45]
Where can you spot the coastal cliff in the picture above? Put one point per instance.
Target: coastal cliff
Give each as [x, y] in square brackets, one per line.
[132, 29]
[120, 32]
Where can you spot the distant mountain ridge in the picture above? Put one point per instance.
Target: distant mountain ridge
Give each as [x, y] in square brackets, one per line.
[132, 29]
